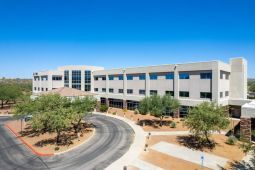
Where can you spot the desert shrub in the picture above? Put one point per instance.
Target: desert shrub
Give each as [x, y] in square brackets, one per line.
[114, 113]
[231, 140]
[103, 108]
[136, 111]
[56, 148]
[125, 110]
[173, 125]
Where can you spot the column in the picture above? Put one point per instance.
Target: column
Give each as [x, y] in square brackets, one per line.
[147, 84]
[124, 85]
[176, 83]
[245, 128]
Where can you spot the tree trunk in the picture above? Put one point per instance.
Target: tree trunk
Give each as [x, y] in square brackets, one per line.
[161, 119]
[2, 104]
[58, 136]
[77, 126]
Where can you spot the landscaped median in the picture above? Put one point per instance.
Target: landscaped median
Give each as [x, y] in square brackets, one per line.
[43, 144]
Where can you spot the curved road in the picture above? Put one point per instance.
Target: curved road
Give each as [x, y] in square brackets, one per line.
[112, 139]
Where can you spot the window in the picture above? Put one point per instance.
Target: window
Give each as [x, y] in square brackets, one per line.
[46, 89]
[57, 78]
[153, 76]
[76, 79]
[205, 75]
[44, 78]
[42, 89]
[184, 76]
[87, 87]
[184, 94]
[129, 91]
[121, 77]
[129, 77]
[87, 79]
[120, 90]
[35, 88]
[221, 75]
[104, 78]
[169, 76]
[111, 77]
[132, 105]
[66, 78]
[227, 76]
[142, 92]
[221, 94]
[226, 93]
[103, 89]
[153, 92]
[96, 78]
[205, 95]
[142, 77]
[117, 103]
[184, 111]
[111, 90]
[38, 88]
[171, 93]
[95, 89]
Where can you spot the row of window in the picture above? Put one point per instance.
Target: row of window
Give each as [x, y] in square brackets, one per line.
[76, 79]
[203, 95]
[154, 76]
[226, 94]
[38, 89]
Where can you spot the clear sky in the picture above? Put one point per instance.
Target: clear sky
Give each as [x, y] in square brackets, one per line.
[44, 34]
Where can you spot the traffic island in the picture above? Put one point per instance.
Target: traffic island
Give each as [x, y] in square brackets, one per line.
[44, 144]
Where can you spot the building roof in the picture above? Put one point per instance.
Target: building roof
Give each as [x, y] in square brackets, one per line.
[67, 92]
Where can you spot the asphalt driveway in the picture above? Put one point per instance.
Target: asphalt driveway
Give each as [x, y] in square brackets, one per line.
[112, 139]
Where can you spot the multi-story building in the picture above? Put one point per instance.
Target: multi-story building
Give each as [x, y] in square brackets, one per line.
[190, 83]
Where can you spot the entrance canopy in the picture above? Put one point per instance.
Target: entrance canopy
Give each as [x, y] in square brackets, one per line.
[248, 110]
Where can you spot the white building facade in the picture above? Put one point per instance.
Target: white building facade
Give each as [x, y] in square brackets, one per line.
[190, 83]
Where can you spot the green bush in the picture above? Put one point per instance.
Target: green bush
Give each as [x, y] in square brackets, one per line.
[173, 125]
[136, 111]
[114, 113]
[103, 108]
[231, 140]
[57, 148]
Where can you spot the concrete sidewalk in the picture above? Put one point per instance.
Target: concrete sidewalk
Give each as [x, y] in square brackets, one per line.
[135, 149]
[210, 161]
[173, 133]
[143, 165]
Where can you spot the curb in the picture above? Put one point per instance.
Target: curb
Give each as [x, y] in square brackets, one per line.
[136, 147]
[28, 145]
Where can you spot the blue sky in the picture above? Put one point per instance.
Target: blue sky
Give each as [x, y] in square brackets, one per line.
[45, 34]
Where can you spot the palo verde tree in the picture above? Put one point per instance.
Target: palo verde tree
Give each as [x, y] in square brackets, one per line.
[80, 108]
[205, 119]
[9, 92]
[158, 106]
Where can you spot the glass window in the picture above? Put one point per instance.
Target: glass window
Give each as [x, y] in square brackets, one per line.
[205, 75]
[111, 77]
[120, 77]
[76, 79]
[111, 90]
[226, 93]
[66, 78]
[221, 94]
[153, 76]
[184, 76]
[96, 78]
[142, 92]
[117, 103]
[184, 94]
[132, 105]
[42, 89]
[120, 90]
[46, 89]
[171, 93]
[104, 78]
[184, 111]
[205, 95]
[103, 89]
[35, 88]
[129, 91]
[95, 89]
[142, 77]
[153, 92]
[227, 76]
[129, 77]
[56, 78]
[169, 76]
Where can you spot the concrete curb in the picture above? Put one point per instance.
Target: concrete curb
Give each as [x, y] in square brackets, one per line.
[6, 115]
[59, 153]
[27, 144]
[135, 149]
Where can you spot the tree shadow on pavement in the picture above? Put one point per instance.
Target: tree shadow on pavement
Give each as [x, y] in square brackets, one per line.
[196, 143]
[243, 165]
